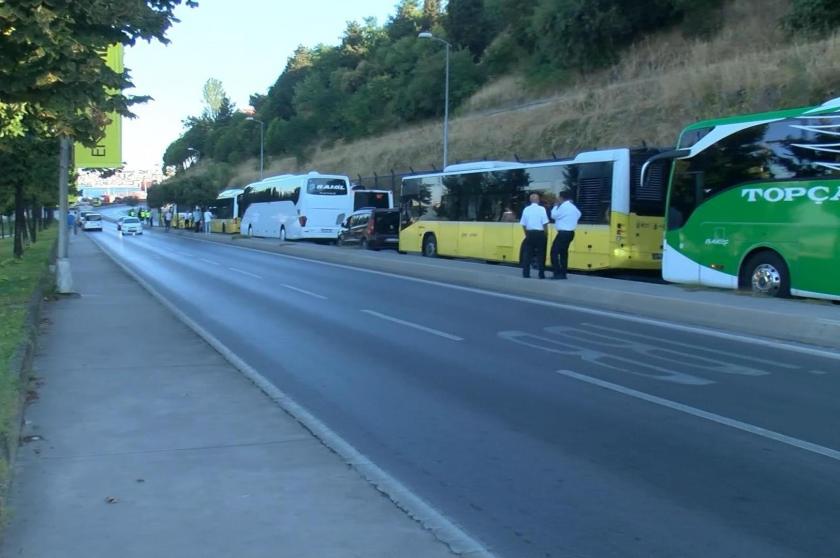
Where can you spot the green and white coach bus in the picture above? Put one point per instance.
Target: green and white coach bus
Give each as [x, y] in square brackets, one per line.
[754, 203]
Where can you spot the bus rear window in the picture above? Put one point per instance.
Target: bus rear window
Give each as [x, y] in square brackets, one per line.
[327, 187]
[378, 200]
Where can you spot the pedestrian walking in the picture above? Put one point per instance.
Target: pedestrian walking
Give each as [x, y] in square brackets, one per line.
[566, 216]
[167, 219]
[208, 218]
[534, 222]
[71, 222]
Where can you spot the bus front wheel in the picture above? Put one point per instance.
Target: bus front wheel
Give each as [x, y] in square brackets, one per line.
[766, 274]
[430, 249]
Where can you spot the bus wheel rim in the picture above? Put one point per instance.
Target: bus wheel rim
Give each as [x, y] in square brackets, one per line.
[766, 279]
[431, 248]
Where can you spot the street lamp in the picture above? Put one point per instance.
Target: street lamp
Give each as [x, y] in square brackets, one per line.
[427, 35]
[262, 142]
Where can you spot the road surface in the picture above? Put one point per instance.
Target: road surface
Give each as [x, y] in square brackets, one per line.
[539, 430]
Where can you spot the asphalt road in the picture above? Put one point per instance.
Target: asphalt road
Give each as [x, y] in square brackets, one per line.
[541, 431]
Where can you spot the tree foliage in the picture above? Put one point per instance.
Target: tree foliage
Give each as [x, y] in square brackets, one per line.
[817, 17]
[191, 190]
[380, 77]
[54, 82]
[53, 78]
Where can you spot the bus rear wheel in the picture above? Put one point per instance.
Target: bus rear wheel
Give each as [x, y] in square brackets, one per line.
[766, 274]
[430, 246]
[282, 234]
[250, 231]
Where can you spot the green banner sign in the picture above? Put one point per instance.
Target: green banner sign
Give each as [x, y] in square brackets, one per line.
[107, 153]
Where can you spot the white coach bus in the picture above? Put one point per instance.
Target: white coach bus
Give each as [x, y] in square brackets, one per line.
[296, 206]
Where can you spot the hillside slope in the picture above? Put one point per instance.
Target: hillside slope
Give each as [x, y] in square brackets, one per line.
[660, 85]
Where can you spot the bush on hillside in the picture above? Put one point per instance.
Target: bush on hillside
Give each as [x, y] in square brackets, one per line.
[817, 17]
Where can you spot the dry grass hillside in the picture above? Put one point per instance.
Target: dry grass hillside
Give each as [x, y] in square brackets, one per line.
[660, 85]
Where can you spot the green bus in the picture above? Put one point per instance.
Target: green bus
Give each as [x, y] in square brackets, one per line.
[754, 203]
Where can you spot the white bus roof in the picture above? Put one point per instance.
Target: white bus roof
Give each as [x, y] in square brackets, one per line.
[594, 156]
[229, 193]
[302, 175]
[480, 165]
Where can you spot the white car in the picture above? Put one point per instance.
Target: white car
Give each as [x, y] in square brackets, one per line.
[130, 225]
[92, 222]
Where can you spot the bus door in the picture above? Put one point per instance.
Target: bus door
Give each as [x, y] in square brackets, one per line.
[593, 185]
[470, 230]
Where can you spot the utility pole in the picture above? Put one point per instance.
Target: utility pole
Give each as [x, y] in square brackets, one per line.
[63, 277]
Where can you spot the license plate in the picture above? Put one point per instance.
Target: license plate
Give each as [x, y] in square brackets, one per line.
[391, 240]
[325, 230]
[656, 256]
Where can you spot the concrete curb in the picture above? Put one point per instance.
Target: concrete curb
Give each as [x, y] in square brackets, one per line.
[721, 317]
[457, 540]
[20, 365]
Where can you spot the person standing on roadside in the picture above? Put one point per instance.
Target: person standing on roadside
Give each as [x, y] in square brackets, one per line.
[167, 219]
[566, 216]
[208, 217]
[534, 222]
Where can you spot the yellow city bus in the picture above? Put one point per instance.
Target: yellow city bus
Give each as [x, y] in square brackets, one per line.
[225, 212]
[472, 210]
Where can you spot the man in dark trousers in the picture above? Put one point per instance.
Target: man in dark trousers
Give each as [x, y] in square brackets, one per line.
[566, 217]
[534, 222]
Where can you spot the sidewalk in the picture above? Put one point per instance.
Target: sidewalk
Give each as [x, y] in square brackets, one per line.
[152, 445]
[804, 321]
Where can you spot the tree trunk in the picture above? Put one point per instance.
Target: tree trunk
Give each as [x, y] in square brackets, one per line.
[33, 225]
[20, 220]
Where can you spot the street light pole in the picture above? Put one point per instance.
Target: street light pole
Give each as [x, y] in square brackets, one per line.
[427, 35]
[64, 277]
[262, 142]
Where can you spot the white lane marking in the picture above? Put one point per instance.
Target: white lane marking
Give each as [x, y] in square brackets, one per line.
[315, 295]
[725, 421]
[626, 365]
[694, 347]
[211, 262]
[762, 341]
[649, 352]
[243, 272]
[415, 326]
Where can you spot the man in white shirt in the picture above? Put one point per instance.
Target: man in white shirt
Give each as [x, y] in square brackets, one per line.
[534, 222]
[208, 217]
[566, 217]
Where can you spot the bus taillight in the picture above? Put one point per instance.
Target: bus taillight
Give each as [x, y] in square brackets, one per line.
[302, 220]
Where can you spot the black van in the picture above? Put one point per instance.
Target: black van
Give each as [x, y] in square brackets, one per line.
[371, 228]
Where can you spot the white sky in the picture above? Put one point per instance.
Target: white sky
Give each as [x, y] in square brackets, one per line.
[244, 43]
